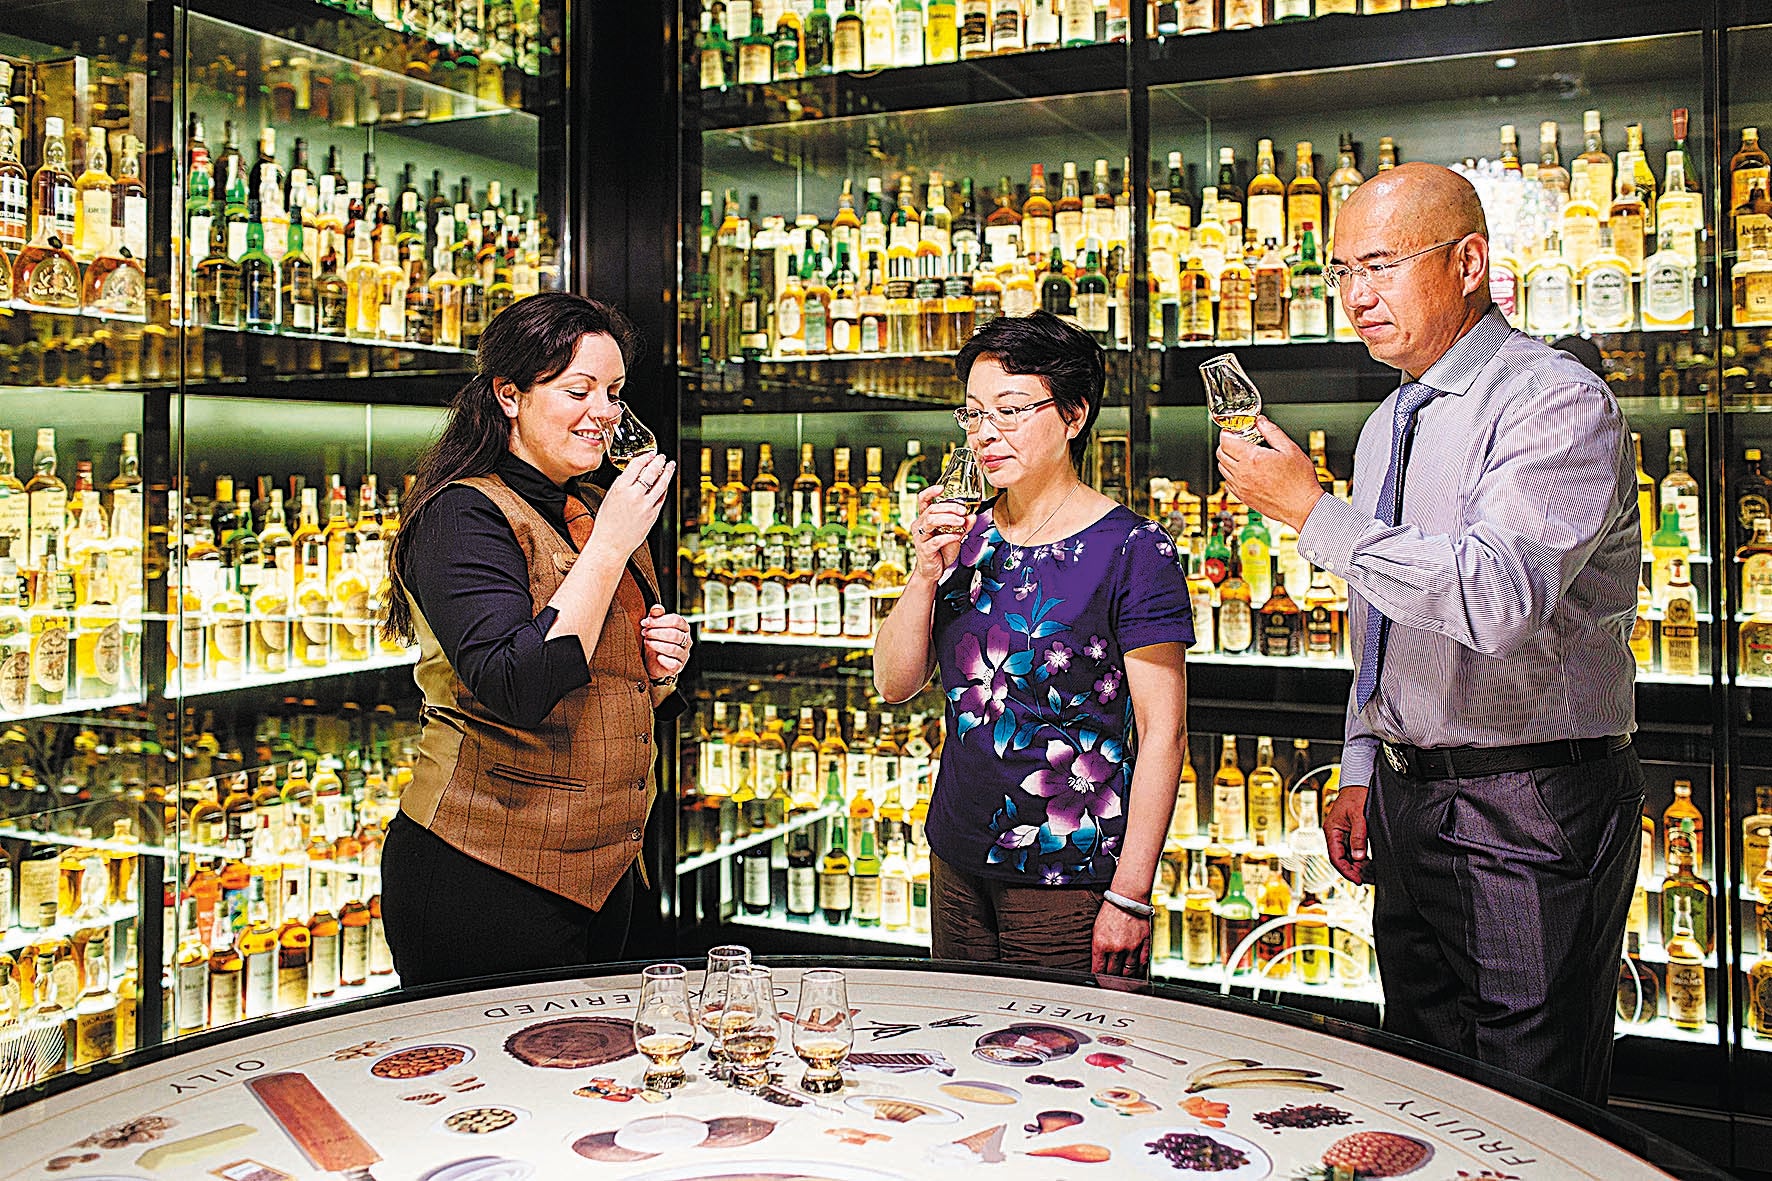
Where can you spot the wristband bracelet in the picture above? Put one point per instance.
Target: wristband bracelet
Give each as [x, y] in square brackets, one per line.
[664, 682]
[1143, 910]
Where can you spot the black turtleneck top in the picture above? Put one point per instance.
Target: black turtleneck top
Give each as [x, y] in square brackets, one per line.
[471, 581]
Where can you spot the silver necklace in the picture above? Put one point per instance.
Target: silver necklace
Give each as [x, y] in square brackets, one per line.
[1015, 551]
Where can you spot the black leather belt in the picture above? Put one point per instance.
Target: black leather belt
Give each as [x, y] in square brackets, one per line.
[1469, 762]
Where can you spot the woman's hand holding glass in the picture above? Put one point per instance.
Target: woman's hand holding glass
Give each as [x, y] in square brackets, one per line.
[937, 532]
[630, 508]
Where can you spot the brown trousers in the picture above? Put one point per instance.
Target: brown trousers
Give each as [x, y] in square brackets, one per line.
[987, 920]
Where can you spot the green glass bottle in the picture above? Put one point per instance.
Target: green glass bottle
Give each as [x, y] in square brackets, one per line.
[867, 881]
[258, 281]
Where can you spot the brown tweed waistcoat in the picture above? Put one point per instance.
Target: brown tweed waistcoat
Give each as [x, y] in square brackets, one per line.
[564, 805]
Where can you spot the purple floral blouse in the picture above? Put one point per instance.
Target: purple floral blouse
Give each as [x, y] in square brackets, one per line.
[1037, 762]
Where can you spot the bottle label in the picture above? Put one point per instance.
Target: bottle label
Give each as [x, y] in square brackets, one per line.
[1667, 291]
[895, 901]
[828, 606]
[802, 889]
[1197, 943]
[834, 892]
[261, 984]
[191, 998]
[1607, 303]
[292, 987]
[1266, 215]
[1504, 289]
[867, 898]
[354, 954]
[802, 611]
[224, 998]
[1270, 301]
[772, 612]
[858, 610]
[715, 606]
[756, 880]
[744, 607]
[229, 636]
[14, 210]
[1236, 626]
[1685, 994]
[49, 659]
[1092, 311]
[15, 680]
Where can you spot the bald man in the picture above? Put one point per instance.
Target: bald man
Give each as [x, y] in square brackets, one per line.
[1492, 555]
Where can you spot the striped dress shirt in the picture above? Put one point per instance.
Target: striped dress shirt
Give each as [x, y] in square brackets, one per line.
[1511, 582]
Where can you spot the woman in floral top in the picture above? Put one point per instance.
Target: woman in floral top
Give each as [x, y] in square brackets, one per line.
[1058, 620]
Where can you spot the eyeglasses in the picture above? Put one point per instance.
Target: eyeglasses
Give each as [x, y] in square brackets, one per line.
[1379, 274]
[1004, 418]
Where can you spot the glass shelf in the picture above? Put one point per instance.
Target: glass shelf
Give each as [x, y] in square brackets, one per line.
[379, 662]
[776, 921]
[1030, 74]
[727, 851]
[73, 706]
[350, 93]
[19, 937]
[1365, 992]
[831, 642]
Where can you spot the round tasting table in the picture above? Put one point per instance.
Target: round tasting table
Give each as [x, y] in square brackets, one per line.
[954, 1071]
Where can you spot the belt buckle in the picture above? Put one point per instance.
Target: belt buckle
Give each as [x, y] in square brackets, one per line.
[1398, 762]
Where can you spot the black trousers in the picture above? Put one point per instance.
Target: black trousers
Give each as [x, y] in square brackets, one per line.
[1499, 913]
[450, 917]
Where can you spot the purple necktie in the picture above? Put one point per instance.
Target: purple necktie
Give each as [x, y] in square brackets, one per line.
[1410, 398]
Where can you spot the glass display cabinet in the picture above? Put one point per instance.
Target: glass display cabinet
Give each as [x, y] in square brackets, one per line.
[846, 221]
[246, 252]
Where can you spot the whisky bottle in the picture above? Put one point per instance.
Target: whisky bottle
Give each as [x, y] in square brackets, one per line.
[1608, 301]
[1642, 633]
[1552, 308]
[1308, 311]
[765, 488]
[1756, 833]
[1230, 804]
[1686, 1004]
[1666, 546]
[1037, 227]
[1273, 946]
[1199, 926]
[1304, 197]
[93, 197]
[190, 1002]
[1754, 558]
[1342, 183]
[54, 203]
[1639, 990]
[258, 952]
[1273, 292]
[1679, 623]
[1679, 813]
[802, 884]
[1266, 794]
[835, 886]
[1751, 288]
[867, 885]
[1680, 492]
[227, 982]
[294, 948]
[15, 205]
[1266, 203]
[1679, 212]
[1236, 301]
[1236, 920]
[1236, 617]
[1580, 224]
[1668, 275]
[1184, 819]
[1282, 623]
[1647, 503]
[1683, 885]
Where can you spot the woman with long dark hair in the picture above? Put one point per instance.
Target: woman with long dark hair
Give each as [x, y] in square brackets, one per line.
[543, 654]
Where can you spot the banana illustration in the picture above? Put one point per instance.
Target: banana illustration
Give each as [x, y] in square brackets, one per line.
[1220, 1065]
[1296, 1084]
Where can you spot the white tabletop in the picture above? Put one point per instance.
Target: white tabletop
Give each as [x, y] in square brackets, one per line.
[1148, 1068]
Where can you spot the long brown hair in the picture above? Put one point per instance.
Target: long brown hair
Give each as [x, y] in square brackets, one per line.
[529, 342]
